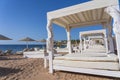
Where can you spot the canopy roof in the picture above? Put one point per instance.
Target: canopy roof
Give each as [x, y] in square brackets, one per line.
[93, 33]
[84, 14]
[27, 39]
[42, 40]
[4, 37]
[95, 37]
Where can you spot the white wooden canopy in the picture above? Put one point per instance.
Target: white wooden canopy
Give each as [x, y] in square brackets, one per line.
[82, 14]
[93, 33]
[95, 37]
[85, 14]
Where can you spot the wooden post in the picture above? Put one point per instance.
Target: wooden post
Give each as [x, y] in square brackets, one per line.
[105, 38]
[89, 42]
[84, 43]
[50, 45]
[69, 40]
[114, 12]
[80, 43]
[110, 39]
[106, 42]
[118, 46]
[45, 62]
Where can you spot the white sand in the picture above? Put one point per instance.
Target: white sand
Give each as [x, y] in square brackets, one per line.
[17, 68]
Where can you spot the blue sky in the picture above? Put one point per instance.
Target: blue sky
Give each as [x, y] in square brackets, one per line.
[27, 18]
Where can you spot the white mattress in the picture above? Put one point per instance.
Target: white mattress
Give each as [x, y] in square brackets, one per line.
[96, 48]
[86, 55]
[34, 54]
[62, 50]
[89, 65]
[93, 60]
[89, 57]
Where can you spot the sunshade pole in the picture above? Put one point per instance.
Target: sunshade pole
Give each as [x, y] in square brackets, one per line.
[119, 4]
[27, 44]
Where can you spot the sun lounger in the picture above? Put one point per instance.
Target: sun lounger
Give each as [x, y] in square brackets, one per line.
[41, 53]
[93, 61]
[21, 52]
[85, 57]
[62, 50]
[8, 52]
[33, 54]
[1, 53]
[89, 65]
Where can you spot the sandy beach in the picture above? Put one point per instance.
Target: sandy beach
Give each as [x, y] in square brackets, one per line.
[16, 67]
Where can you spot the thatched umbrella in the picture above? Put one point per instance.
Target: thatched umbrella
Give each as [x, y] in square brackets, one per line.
[27, 39]
[42, 40]
[4, 37]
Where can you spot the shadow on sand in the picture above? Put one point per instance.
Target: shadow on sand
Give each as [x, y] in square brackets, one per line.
[7, 71]
[85, 75]
[7, 58]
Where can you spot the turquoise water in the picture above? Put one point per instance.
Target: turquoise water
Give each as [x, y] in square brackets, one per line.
[15, 48]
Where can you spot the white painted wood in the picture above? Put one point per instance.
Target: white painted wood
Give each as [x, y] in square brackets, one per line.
[94, 14]
[60, 23]
[84, 43]
[81, 7]
[50, 36]
[45, 62]
[65, 20]
[72, 18]
[50, 45]
[76, 18]
[114, 11]
[97, 37]
[118, 45]
[69, 40]
[90, 15]
[33, 54]
[89, 71]
[106, 44]
[68, 19]
[51, 62]
[80, 37]
[91, 5]
[85, 16]
[102, 31]
[110, 39]
[94, 32]
[105, 16]
[100, 12]
[87, 23]
[80, 16]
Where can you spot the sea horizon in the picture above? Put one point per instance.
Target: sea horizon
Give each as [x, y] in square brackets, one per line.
[19, 47]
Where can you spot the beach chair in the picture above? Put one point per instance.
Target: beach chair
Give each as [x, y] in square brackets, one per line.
[21, 52]
[46, 57]
[1, 53]
[8, 52]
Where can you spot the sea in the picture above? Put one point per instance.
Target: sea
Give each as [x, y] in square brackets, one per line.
[20, 47]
